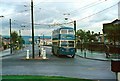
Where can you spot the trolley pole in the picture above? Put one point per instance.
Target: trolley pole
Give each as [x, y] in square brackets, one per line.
[32, 19]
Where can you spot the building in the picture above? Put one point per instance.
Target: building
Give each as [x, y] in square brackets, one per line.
[1, 47]
[111, 32]
[44, 40]
[4, 42]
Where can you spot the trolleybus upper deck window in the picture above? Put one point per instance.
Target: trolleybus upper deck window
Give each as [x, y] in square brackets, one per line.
[64, 31]
[70, 31]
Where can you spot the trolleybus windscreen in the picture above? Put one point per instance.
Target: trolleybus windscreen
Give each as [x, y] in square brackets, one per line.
[64, 43]
[71, 43]
[67, 43]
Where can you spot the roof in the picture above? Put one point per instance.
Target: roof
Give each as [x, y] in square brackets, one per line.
[117, 21]
[66, 27]
[63, 27]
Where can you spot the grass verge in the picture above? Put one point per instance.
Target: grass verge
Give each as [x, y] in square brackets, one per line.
[39, 78]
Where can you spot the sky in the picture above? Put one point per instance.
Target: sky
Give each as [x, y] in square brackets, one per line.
[89, 15]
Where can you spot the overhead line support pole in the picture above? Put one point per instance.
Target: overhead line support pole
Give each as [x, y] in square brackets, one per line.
[75, 31]
[10, 38]
[32, 19]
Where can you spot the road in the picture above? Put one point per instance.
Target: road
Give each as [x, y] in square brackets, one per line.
[57, 66]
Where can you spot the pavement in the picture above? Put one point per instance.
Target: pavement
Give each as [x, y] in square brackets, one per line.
[96, 55]
[4, 52]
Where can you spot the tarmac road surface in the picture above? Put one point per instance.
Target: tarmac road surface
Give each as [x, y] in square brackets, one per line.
[57, 66]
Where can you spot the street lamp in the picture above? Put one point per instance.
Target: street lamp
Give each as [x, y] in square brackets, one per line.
[66, 15]
[1, 16]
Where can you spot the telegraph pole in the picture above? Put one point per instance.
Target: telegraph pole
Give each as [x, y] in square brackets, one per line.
[32, 29]
[10, 38]
[75, 31]
[75, 26]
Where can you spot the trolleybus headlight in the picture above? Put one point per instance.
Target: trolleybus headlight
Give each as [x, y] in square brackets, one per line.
[72, 50]
[62, 50]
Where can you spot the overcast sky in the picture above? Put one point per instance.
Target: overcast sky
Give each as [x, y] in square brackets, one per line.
[89, 14]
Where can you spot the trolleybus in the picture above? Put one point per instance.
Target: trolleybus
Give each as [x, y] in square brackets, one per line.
[63, 41]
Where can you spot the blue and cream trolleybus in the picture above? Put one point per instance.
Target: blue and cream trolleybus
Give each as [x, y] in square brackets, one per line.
[63, 41]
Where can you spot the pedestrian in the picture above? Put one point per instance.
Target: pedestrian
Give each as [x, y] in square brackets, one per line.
[85, 52]
[107, 51]
[39, 50]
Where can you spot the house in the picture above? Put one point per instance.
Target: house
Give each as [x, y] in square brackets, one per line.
[111, 32]
[1, 47]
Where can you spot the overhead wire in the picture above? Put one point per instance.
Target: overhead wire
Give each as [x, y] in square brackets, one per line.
[91, 14]
[58, 19]
[82, 8]
[86, 6]
[90, 5]
[46, 10]
[98, 24]
[96, 13]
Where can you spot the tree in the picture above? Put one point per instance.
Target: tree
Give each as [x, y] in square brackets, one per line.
[84, 36]
[88, 35]
[17, 41]
[81, 35]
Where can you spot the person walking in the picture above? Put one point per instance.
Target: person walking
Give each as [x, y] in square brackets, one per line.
[107, 49]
